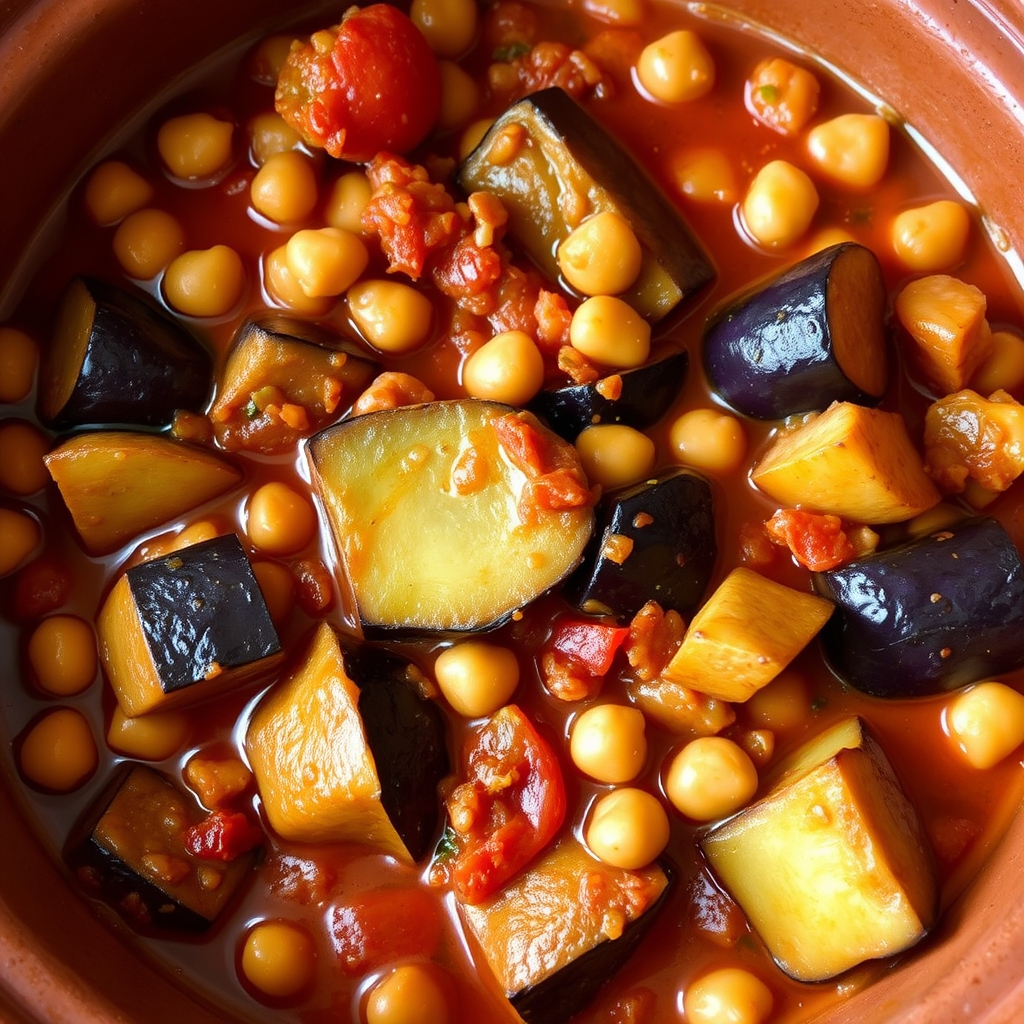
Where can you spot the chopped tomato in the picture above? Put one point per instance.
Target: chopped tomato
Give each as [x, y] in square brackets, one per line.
[509, 806]
[223, 835]
[818, 542]
[591, 644]
[370, 83]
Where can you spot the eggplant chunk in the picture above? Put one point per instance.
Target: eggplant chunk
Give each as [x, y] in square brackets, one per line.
[549, 948]
[345, 749]
[117, 359]
[284, 380]
[130, 851]
[186, 627]
[811, 336]
[450, 516]
[930, 615]
[552, 165]
[831, 867]
[117, 484]
[655, 542]
[638, 398]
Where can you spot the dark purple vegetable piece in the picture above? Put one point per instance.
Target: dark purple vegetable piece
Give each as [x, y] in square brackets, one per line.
[645, 396]
[566, 154]
[665, 528]
[406, 735]
[930, 615]
[129, 851]
[116, 358]
[812, 336]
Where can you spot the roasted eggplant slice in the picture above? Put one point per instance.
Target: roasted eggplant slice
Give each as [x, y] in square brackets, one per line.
[638, 398]
[191, 625]
[285, 379]
[930, 615]
[450, 516]
[117, 484]
[550, 949]
[131, 852]
[552, 165]
[345, 749]
[117, 359]
[811, 336]
[656, 542]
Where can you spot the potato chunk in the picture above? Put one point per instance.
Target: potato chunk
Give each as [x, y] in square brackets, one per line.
[831, 867]
[851, 461]
[749, 630]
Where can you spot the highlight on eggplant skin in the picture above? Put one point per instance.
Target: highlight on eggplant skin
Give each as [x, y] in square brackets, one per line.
[116, 358]
[811, 336]
[929, 615]
[665, 528]
[646, 395]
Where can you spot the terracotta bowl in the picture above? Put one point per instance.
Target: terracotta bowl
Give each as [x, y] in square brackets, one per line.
[71, 74]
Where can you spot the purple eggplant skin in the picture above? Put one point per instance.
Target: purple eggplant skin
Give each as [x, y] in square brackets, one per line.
[135, 366]
[927, 616]
[670, 520]
[647, 394]
[812, 336]
[407, 737]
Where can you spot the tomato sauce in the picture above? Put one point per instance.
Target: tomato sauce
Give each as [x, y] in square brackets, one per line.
[963, 811]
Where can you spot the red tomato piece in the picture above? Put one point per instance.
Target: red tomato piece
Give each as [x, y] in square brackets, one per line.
[510, 806]
[40, 587]
[593, 644]
[818, 542]
[223, 835]
[370, 84]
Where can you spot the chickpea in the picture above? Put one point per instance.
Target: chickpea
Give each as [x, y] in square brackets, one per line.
[508, 368]
[851, 149]
[22, 447]
[449, 26]
[151, 737]
[147, 241]
[827, 237]
[931, 238]
[477, 677]
[195, 145]
[205, 282]
[278, 958]
[986, 722]
[781, 704]
[614, 455]
[391, 316]
[708, 439]
[19, 356]
[602, 256]
[269, 134]
[280, 520]
[58, 752]
[729, 994]
[460, 96]
[705, 175]
[283, 288]
[325, 261]
[62, 653]
[113, 191]
[1004, 368]
[199, 531]
[410, 994]
[347, 200]
[19, 537]
[779, 205]
[268, 58]
[608, 743]
[473, 136]
[676, 68]
[782, 95]
[621, 13]
[285, 189]
[711, 777]
[628, 828]
[609, 331]
[277, 584]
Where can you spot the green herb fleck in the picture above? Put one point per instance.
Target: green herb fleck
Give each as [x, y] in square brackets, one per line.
[768, 93]
[510, 52]
[447, 846]
[251, 409]
[861, 216]
[818, 704]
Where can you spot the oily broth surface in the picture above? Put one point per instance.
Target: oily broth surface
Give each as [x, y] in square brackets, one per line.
[680, 946]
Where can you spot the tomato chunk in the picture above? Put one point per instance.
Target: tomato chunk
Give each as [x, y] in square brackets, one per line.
[509, 807]
[818, 542]
[223, 835]
[592, 644]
